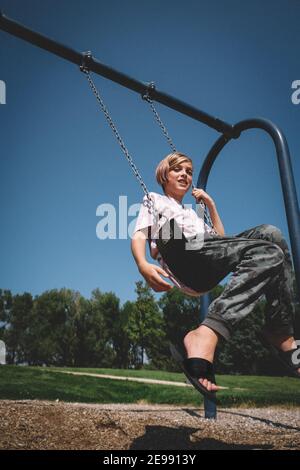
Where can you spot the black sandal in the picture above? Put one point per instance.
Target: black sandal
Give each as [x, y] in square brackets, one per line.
[195, 368]
[289, 359]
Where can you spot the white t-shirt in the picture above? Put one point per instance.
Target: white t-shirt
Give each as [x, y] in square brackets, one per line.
[187, 219]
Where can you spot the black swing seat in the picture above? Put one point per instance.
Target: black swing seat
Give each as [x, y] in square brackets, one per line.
[195, 368]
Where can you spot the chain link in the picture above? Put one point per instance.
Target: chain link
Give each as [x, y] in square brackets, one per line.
[148, 202]
[116, 132]
[147, 98]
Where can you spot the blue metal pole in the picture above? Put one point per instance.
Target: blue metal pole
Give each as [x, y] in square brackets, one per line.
[289, 195]
[286, 176]
[210, 407]
[17, 29]
[287, 184]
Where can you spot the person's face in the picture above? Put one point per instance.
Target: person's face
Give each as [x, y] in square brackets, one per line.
[179, 180]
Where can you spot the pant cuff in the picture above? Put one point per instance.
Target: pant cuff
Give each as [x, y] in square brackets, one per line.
[218, 327]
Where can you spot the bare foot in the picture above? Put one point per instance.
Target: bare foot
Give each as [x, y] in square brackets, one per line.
[285, 343]
[202, 343]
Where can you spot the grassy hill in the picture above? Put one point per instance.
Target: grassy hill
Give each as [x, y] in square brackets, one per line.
[39, 383]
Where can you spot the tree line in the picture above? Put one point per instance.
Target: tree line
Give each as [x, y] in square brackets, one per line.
[62, 328]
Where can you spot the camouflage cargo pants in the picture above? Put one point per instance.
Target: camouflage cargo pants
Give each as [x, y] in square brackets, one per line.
[260, 263]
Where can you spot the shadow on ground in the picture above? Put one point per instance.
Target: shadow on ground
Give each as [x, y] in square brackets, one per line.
[162, 438]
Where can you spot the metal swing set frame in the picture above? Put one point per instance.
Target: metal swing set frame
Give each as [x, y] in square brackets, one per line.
[148, 91]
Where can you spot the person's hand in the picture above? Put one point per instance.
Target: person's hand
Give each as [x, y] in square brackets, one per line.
[200, 194]
[152, 274]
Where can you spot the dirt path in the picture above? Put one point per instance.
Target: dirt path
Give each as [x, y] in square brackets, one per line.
[51, 425]
[134, 379]
[119, 377]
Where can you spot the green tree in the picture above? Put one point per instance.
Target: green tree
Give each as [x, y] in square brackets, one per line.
[144, 326]
[6, 300]
[122, 343]
[104, 308]
[181, 313]
[17, 326]
[85, 334]
[52, 334]
[243, 353]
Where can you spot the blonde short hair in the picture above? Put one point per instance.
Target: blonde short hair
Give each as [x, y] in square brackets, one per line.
[167, 164]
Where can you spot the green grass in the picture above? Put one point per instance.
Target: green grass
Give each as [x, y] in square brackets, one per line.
[49, 384]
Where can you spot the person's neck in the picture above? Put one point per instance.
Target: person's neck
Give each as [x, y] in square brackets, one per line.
[176, 197]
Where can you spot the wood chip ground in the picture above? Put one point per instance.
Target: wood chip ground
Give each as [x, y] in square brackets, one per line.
[51, 425]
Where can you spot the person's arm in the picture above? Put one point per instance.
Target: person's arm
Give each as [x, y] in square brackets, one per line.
[215, 218]
[209, 202]
[150, 272]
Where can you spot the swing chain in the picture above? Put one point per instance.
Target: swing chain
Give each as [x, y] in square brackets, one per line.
[149, 203]
[84, 68]
[147, 96]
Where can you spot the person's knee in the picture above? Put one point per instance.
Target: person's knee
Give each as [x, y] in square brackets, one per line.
[272, 233]
[278, 254]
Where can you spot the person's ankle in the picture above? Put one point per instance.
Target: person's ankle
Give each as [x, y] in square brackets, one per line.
[201, 342]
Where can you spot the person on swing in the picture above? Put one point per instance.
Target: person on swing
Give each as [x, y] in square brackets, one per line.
[196, 258]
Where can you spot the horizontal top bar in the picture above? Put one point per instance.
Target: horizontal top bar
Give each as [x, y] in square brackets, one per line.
[18, 30]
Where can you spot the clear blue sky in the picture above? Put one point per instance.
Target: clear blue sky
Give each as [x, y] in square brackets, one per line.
[59, 160]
